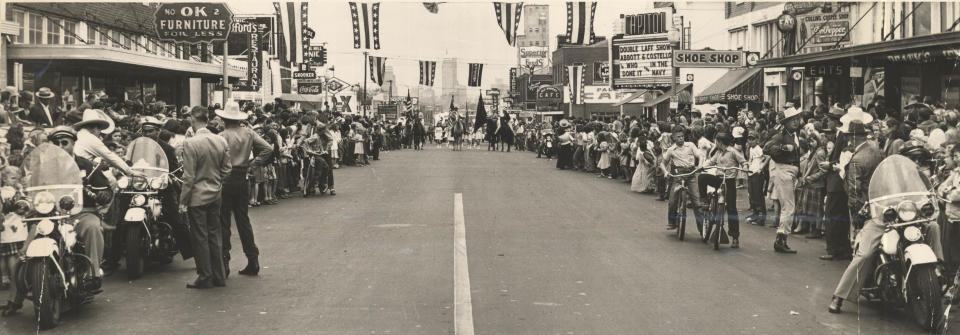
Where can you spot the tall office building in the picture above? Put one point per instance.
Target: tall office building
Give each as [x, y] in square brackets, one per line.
[450, 85]
[536, 26]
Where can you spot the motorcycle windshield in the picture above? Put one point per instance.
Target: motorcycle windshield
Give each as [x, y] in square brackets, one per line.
[897, 178]
[145, 155]
[50, 169]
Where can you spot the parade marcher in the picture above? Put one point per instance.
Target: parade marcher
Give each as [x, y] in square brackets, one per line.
[242, 142]
[206, 163]
[784, 149]
[836, 218]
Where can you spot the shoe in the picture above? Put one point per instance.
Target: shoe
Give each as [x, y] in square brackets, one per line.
[252, 269]
[735, 244]
[200, 284]
[781, 245]
[828, 257]
[333, 192]
[835, 305]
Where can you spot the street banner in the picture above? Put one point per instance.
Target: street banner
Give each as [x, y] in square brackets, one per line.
[575, 82]
[642, 61]
[377, 66]
[508, 17]
[193, 22]
[476, 74]
[428, 70]
[580, 22]
[533, 58]
[293, 22]
[366, 25]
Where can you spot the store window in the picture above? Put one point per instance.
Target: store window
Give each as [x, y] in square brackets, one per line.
[69, 31]
[115, 34]
[738, 38]
[104, 32]
[948, 14]
[921, 19]
[36, 29]
[18, 17]
[91, 34]
[53, 31]
[127, 41]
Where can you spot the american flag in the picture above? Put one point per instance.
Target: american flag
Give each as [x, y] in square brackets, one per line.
[575, 73]
[377, 66]
[508, 17]
[580, 22]
[366, 25]
[293, 22]
[476, 74]
[428, 71]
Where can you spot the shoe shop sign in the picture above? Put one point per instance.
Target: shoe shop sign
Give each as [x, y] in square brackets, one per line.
[193, 22]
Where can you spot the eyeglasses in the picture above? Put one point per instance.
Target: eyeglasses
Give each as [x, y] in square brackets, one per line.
[62, 143]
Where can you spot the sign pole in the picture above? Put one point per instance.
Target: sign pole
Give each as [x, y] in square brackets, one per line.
[363, 103]
[226, 83]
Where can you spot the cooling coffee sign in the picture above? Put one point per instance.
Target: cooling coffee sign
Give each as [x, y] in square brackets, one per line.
[193, 22]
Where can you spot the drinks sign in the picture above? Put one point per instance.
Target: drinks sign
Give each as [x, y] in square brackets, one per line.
[193, 22]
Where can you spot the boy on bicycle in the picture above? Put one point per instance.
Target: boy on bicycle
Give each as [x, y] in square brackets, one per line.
[681, 158]
[724, 155]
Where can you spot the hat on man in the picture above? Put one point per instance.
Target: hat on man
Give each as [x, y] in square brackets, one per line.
[738, 132]
[564, 123]
[836, 112]
[150, 122]
[232, 112]
[854, 114]
[790, 113]
[62, 131]
[94, 117]
[854, 127]
[45, 93]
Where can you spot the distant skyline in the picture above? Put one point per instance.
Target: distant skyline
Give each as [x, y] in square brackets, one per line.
[467, 31]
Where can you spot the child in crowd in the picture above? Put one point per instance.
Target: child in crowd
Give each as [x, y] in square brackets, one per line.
[13, 231]
[756, 182]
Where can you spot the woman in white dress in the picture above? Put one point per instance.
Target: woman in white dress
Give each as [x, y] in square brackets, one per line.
[438, 135]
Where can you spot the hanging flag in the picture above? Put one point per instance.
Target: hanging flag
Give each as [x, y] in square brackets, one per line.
[476, 74]
[293, 22]
[377, 66]
[580, 22]
[305, 34]
[433, 7]
[366, 25]
[575, 81]
[508, 17]
[428, 71]
[481, 115]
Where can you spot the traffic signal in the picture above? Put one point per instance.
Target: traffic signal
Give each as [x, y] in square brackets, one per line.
[323, 56]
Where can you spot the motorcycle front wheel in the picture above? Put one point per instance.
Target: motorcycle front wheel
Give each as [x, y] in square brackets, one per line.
[136, 253]
[924, 297]
[47, 304]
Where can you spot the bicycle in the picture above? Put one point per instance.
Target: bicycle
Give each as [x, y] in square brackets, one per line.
[681, 211]
[714, 232]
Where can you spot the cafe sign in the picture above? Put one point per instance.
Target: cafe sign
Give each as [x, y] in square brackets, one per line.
[826, 70]
[549, 94]
[193, 22]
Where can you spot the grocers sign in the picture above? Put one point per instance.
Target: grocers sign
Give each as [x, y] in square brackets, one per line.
[193, 22]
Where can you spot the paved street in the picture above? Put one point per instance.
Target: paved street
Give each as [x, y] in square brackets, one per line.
[550, 252]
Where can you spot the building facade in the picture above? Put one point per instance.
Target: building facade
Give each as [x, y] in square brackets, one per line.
[536, 23]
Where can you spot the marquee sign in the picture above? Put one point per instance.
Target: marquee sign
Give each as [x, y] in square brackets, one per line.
[641, 62]
[193, 22]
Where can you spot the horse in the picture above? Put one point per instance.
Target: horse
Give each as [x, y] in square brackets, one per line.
[418, 134]
[457, 129]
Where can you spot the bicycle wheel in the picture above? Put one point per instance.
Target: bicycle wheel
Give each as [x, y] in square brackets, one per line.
[717, 225]
[681, 216]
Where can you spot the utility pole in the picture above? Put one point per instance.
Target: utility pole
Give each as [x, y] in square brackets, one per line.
[226, 82]
[363, 101]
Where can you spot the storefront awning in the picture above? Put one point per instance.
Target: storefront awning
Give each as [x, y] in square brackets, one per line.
[899, 45]
[682, 92]
[739, 85]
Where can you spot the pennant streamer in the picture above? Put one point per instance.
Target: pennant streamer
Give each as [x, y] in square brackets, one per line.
[293, 21]
[476, 72]
[366, 25]
[427, 71]
[304, 37]
[377, 66]
[580, 22]
[575, 73]
[508, 17]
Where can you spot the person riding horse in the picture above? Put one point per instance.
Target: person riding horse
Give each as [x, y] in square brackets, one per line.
[457, 126]
[505, 132]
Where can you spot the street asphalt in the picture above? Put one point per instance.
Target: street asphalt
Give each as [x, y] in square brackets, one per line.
[550, 252]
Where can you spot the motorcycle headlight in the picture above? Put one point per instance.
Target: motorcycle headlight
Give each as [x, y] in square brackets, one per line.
[912, 233]
[158, 183]
[67, 202]
[889, 214]
[138, 200]
[927, 210]
[44, 202]
[44, 227]
[907, 211]
[123, 182]
[139, 184]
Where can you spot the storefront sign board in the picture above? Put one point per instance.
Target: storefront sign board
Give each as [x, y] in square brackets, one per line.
[534, 57]
[641, 62]
[829, 29]
[709, 58]
[193, 22]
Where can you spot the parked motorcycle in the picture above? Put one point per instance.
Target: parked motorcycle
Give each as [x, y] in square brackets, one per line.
[906, 267]
[56, 274]
[147, 237]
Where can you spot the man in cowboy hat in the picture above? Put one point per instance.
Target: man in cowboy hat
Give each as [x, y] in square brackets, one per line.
[836, 213]
[42, 112]
[236, 190]
[784, 149]
[94, 123]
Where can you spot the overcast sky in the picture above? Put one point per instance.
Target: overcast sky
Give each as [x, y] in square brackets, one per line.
[461, 29]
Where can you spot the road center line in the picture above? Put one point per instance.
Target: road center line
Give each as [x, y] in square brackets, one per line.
[462, 304]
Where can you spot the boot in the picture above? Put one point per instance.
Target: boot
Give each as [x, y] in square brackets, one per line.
[781, 245]
[835, 304]
[253, 267]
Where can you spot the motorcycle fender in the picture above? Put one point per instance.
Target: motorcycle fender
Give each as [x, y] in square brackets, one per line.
[919, 253]
[42, 247]
[135, 214]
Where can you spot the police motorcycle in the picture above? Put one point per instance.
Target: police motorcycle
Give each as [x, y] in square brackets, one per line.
[905, 272]
[147, 238]
[56, 274]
